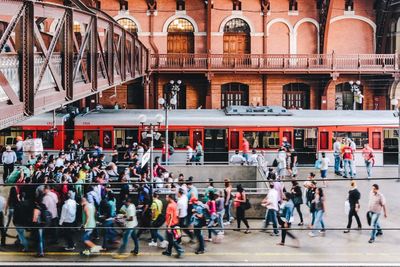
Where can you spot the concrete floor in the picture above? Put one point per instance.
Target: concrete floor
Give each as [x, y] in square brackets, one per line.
[239, 248]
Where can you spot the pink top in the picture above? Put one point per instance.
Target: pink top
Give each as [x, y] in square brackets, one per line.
[212, 207]
[246, 147]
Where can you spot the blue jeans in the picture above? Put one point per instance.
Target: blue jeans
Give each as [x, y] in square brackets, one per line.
[318, 220]
[348, 164]
[228, 209]
[246, 157]
[210, 225]
[368, 165]
[155, 235]
[109, 232]
[125, 238]
[271, 217]
[221, 218]
[199, 236]
[375, 225]
[337, 163]
[40, 240]
[22, 238]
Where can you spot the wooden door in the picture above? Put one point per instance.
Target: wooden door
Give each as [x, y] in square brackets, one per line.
[235, 44]
[180, 43]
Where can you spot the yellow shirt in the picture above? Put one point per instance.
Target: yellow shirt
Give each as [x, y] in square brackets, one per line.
[156, 209]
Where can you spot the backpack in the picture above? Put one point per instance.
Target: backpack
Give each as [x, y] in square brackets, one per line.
[45, 216]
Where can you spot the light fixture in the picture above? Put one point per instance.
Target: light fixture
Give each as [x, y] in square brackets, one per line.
[142, 118]
[161, 101]
[171, 81]
[179, 82]
[358, 82]
[144, 135]
[159, 118]
[351, 82]
[173, 101]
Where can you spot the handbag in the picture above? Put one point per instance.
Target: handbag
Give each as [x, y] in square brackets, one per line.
[346, 207]
[318, 164]
[246, 205]
[177, 233]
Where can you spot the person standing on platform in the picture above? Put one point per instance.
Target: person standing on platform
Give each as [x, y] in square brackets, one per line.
[246, 149]
[239, 202]
[369, 159]
[337, 152]
[8, 158]
[324, 168]
[348, 157]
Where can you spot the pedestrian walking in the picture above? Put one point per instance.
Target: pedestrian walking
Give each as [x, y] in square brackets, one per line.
[129, 213]
[172, 221]
[198, 220]
[271, 202]
[285, 218]
[228, 199]
[320, 208]
[297, 198]
[354, 205]
[376, 204]
[157, 220]
[67, 220]
[240, 205]
[183, 212]
[89, 223]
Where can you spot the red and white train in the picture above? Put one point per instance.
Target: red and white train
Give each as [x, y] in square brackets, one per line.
[221, 131]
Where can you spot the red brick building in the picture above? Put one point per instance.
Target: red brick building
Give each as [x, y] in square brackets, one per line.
[269, 52]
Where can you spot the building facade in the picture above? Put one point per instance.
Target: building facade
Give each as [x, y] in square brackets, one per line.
[298, 54]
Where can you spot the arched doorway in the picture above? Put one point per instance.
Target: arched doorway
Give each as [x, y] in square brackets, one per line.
[296, 96]
[180, 36]
[234, 94]
[344, 99]
[180, 97]
[128, 25]
[236, 37]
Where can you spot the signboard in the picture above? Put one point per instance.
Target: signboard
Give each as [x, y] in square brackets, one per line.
[33, 146]
[145, 158]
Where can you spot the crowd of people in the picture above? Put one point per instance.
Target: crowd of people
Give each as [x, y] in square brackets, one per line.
[54, 196]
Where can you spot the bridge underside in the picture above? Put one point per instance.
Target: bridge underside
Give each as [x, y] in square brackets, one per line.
[83, 52]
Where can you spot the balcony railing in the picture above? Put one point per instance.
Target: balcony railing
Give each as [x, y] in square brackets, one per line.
[372, 63]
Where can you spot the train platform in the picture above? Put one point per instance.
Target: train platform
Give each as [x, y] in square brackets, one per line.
[237, 248]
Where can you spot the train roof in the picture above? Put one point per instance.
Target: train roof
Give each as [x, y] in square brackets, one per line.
[44, 119]
[207, 117]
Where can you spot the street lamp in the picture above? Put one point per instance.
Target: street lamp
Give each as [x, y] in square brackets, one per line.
[357, 96]
[153, 134]
[394, 102]
[169, 102]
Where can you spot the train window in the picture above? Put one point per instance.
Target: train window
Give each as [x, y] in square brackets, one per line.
[323, 142]
[178, 139]
[90, 138]
[47, 138]
[8, 136]
[107, 139]
[157, 143]
[376, 140]
[234, 140]
[125, 136]
[359, 138]
[262, 139]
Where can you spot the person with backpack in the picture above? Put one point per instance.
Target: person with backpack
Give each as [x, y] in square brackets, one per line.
[369, 159]
[22, 213]
[198, 220]
[41, 218]
[157, 220]
[297, 200]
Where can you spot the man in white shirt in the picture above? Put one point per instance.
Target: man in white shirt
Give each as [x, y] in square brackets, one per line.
[50, 200]
[189, 155]
[324, 167]
[253, 161]
[337, 151]
[237, 159]
[60, 160]
[182, 204]
[271, 202]
[129, 211]
[8, 158]
[67, 219]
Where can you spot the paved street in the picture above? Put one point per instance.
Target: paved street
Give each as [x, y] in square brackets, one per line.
[237, 247]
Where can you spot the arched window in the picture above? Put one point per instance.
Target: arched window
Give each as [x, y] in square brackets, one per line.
[344, 99]
[296, 96]
[180, 36]
[128, 25]
[237, 37]
[180, 25]
[234, 94]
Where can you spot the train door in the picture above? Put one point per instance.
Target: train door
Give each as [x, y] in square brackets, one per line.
[215, 145]
[390, 147]
[305, 144]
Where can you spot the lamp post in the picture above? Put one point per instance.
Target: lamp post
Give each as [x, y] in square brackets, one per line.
[355, 89]
[169, 103]
[153, 134]
[394, 102]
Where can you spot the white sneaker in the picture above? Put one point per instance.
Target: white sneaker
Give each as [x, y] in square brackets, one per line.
[227, 223]
[221, 233]
[164, 244]
[95, 249]
[312, 234]
[153, 244]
